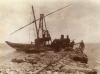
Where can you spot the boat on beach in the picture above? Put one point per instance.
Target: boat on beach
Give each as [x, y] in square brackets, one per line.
[43, 39]
[62, 47]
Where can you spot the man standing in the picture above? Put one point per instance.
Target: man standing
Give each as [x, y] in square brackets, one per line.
[72, 44]
[82, 45]
[67, 41]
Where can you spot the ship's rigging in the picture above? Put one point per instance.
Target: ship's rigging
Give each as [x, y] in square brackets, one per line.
[44, 43]
[43, 39]
[34, 21]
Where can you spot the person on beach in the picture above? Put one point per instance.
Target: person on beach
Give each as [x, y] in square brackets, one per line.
[82, 45]
[72, 44]
[67, 41]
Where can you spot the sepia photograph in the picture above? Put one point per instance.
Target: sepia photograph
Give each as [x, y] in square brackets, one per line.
[49, 36]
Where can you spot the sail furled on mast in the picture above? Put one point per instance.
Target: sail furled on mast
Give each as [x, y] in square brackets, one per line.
[34, 21]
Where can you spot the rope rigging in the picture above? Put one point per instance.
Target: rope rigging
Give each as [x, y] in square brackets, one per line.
[34, 21]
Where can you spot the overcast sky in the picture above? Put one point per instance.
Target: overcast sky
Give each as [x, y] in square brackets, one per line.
[81, 20]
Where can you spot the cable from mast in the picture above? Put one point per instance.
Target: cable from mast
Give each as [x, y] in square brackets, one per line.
[39, 18]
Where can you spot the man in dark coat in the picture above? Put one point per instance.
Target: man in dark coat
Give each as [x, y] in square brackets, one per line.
[72, 44]
[82, 45]
[67, 41]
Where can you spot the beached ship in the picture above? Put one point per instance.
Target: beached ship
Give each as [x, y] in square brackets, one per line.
[43, 39]
[44, 42]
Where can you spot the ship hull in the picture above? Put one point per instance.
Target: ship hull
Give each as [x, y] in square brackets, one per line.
[28, 48]
[20, 45]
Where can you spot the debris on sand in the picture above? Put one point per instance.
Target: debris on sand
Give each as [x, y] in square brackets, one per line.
[46, 63]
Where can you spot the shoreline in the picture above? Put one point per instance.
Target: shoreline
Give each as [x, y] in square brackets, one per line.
[43, 59]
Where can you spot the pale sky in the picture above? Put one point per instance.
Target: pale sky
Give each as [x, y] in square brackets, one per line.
[81, 20]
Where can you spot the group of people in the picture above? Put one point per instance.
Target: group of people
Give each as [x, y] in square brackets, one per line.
[66, 42]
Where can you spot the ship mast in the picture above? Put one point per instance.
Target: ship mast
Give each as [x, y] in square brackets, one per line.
[42, 26]
[35, 22]
[39, 18]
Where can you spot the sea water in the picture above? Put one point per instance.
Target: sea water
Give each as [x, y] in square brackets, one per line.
[93, 52]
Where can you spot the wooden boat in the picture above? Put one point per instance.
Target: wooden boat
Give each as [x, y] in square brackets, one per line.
[28, 48]
[43, 41]
[39, 42]
[20, 46]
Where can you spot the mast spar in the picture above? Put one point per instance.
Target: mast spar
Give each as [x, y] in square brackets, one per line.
[35, 21]
[39, 18]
